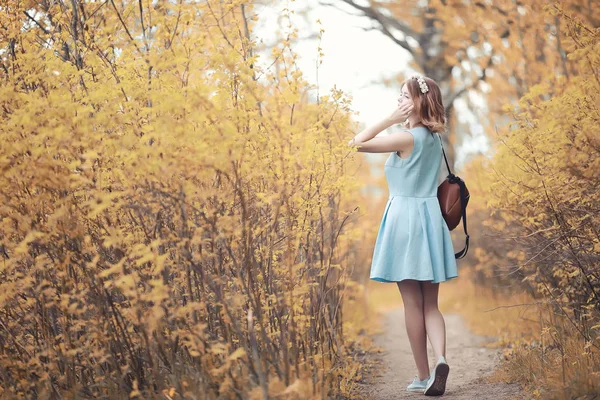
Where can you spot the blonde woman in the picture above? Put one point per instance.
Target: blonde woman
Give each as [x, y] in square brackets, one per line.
[413, 246]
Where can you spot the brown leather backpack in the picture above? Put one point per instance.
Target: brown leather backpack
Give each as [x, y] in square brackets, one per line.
[453, 196]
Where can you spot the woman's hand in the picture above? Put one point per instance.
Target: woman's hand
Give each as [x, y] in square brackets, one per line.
[401, 113]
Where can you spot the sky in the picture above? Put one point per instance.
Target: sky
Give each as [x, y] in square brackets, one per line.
[355, 60]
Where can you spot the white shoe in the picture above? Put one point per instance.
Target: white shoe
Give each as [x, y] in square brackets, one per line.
[417, 385]
[436, 386]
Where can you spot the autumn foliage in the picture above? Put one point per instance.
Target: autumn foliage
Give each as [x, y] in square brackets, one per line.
[527, 73]
[178, 215]
[174, 218]
[538, 199]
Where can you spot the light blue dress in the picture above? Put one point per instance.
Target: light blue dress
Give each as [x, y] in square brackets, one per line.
[413, 241]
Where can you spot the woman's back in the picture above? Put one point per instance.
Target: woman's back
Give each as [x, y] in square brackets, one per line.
[413, 241]
[417, 175]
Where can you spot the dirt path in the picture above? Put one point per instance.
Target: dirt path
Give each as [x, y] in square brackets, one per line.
[470, 361]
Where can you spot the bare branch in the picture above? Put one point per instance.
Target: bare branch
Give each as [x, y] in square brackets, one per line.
[37, 23]
[400, 42]
[125, 26]
[385, 21]
[473, 85]
[386, 24]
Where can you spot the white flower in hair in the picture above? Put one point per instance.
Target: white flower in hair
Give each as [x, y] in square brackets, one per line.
[422, 83]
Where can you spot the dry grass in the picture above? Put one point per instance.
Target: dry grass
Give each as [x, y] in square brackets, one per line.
[542, 350]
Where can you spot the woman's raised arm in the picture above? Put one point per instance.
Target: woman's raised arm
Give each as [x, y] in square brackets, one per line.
[402, 141]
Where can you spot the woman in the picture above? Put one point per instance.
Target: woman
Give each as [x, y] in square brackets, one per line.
[413, 246]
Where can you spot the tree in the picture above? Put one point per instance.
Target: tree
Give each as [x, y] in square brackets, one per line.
[496, 50]
[421, 29]
[542, 188]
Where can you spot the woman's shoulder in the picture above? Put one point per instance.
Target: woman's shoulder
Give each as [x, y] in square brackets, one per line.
[421, 129]
[427, 139]
[422, 133]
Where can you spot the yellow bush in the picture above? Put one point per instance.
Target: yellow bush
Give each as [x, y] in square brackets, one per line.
[542, 190]
[174, 218]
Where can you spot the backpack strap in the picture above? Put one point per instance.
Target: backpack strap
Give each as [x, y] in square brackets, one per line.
[444, 153]
[463, 202]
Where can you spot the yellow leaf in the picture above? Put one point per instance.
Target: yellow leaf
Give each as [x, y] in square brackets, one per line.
[238, 353]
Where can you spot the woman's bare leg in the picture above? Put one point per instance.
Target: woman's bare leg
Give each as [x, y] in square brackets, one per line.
[434, 320]
[412, 297]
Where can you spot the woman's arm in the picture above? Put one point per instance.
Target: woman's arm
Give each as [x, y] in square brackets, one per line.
[370, 132]
[400, 141]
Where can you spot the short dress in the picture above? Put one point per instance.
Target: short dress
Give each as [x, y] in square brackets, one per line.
[414, 241]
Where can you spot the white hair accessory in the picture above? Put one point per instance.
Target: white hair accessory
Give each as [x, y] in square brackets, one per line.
[422, 83]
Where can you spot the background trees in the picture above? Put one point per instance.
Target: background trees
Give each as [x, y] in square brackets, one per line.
[529, 71]
[484, 54]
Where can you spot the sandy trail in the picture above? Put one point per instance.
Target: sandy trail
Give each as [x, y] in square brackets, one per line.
[470, 361]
